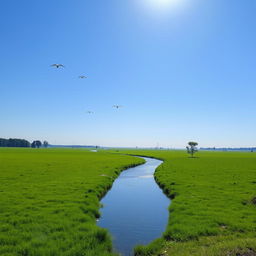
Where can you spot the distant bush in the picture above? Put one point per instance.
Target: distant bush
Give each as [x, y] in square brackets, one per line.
[36, 144]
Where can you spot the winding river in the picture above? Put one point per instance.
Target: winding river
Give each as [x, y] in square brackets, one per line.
[135, 210]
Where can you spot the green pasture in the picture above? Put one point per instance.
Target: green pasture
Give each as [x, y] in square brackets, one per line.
[212, 211]
[49, 201]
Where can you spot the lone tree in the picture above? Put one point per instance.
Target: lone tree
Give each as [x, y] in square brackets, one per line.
[192, 149]
[46, 144]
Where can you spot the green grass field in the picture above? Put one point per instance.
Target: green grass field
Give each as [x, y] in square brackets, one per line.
[212, 212]
[50, 202]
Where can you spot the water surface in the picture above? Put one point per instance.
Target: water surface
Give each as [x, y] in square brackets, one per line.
[135, 210]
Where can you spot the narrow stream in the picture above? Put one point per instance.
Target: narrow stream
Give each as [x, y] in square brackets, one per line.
[135, 210]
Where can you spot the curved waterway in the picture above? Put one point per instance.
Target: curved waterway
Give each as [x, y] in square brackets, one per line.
[135, 210]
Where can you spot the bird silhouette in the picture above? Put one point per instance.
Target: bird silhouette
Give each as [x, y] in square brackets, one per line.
[82, 77]
[57, 65]
[89, 112]
[117, 106]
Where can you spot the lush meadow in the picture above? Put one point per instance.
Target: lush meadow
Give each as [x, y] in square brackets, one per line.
[50, 201]
[212, 211]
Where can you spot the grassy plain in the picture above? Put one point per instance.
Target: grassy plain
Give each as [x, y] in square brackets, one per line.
[212, 213]
[50, 201]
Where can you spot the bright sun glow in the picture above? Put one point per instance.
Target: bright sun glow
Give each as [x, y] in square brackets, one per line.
[160, 6]
[163, 3]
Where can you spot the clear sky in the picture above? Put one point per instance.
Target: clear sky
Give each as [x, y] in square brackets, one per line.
[182, 69]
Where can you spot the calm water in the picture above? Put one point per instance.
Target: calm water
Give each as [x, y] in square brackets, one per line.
[135, 209]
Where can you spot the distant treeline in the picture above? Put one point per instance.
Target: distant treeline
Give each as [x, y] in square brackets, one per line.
[14, 143]
[252, 149]
[21, 143]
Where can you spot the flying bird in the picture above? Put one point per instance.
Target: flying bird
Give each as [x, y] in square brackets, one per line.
[89, 112]
[57, 65]
[117, 106]
[82, 77]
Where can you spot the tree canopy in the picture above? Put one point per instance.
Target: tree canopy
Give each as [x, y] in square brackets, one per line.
[192, 149]
[46, 144]
[36, 144]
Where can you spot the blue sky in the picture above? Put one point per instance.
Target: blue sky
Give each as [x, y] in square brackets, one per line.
[183, 72]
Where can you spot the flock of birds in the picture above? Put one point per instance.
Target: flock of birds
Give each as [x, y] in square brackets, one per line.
[82, 77]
